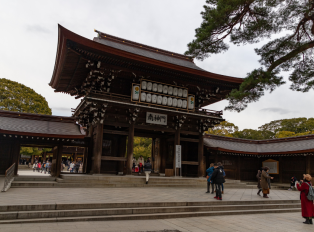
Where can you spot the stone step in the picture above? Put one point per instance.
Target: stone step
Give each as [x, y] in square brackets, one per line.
[148, 216]
[40, 184]
[71, 206]
[55, 184]
[34, 178]
[144, 210]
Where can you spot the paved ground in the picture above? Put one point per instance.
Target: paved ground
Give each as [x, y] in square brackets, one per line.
[104, 195]
[285, 222]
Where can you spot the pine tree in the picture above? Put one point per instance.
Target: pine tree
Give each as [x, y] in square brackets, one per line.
[249, 21]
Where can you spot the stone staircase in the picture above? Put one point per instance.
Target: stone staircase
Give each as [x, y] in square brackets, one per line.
[113, 181]
[139, 211]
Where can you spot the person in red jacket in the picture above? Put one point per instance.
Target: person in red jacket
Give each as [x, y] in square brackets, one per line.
[306, 205]
[39, 167]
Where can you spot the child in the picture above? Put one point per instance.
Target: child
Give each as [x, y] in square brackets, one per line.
[292, 183]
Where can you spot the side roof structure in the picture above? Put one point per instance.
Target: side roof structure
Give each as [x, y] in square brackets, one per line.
[38, 125]
[291, 145]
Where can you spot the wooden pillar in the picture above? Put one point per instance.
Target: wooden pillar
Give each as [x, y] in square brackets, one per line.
[97, 148]
[201, 158]
[59, 160]
[157, 155]
[129, 161]
[152, 154]
[44, 156]
[163, 155]
[238, 168]
[75, 156]
[33, 159]
[16, 155]
[89, 141]
[85, 155]
[216, 156]
[122, 151]
[280, 169]
[308, 165]
[176, 142]
[53, 167]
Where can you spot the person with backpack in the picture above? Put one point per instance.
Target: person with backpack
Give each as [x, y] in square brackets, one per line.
[147, 169]
[224, 175]
[259, 176]
[209, 172]
[265, 184]
[218, 179]
[307, 197]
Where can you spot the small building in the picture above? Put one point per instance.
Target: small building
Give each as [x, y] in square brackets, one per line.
[37, 130]
[241, 158]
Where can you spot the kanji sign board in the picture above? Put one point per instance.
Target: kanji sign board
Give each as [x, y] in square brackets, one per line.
[153, 118]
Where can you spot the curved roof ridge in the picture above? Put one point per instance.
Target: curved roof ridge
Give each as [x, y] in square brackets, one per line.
[143, 46]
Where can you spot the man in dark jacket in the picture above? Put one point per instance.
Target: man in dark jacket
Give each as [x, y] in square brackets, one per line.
[218, 179]
[224, 175]
[147, 169]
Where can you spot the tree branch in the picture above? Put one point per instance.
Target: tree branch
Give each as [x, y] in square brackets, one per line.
[290, 55]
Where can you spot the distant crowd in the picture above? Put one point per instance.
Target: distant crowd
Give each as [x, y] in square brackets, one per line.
[42, 167]
[66, 165]
[72, 166]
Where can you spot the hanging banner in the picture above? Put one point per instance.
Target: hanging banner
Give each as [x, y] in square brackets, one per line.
[153, 118]
[178, 156]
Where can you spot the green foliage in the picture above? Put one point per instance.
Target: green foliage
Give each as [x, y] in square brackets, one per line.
[33, 151]
[275, 129]
[249, 21]
[296, 125]
[223, 129]
[253, 134]
[142, 147]
[17, 97]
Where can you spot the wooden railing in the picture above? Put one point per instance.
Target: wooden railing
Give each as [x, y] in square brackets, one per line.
[9, 177]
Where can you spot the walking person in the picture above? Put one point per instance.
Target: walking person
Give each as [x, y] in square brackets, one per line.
[306, 204]
[134, 164]
[39, 167]
[259, 176]
[47, 167]
[77, 166]
[140, 163]
[292, 183]
[218, 179]
[71, 167]
[34, 166]
[209, 172]
[81, 168]
[224, 175]
[43, 167]
[265, 181]
[147, 169]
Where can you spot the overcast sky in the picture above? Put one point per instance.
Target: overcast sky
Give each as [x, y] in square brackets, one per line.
[28, 46]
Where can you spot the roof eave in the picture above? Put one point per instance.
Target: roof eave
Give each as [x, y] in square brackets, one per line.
[65, 34]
